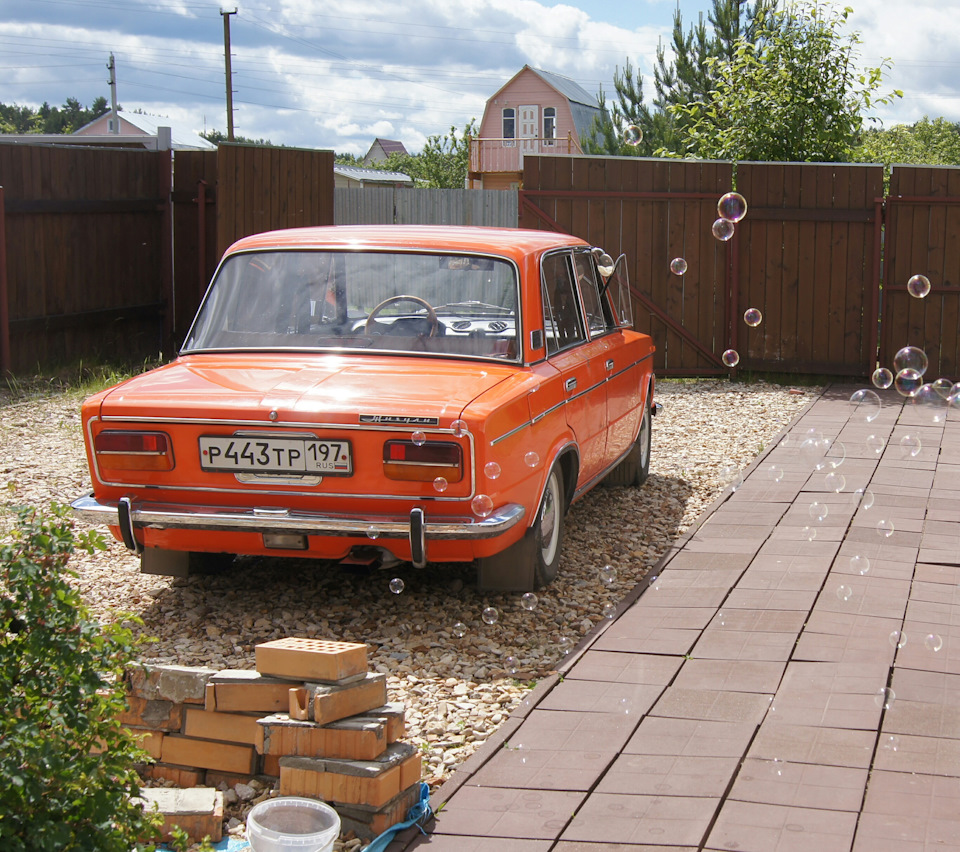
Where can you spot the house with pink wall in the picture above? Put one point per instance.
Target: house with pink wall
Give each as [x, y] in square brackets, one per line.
[535, 112]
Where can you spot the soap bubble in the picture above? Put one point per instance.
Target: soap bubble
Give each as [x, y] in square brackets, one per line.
[608, 575]
[812, 449]
[929, 404]
[866, 405]
[910, 358]
[396, 585]
[510, 664]
[723, 229]
[459, 629]
[775, 472]
[565, 645]
[844, 592]
[885, 527]
[943, 387]
[490, 615]
[482, 505]
[885, 698]
[933, 642]
[860, 563]
[731, 358]
[918, 286]
[752, 317]
[492, 470]
[898, 638]
[777, 765]
[419, 438]
[809, 533]
[653, 582]
[910, 446]
[373, 533]
[730, 477]
[732, 207]
[882, 378]
[633, 135]
[459, 428]
[818, 511]
[835, 482]
[609, 610]
[875, 444]
[908, 381]
[836, 454]
[863, 499]
[678, 266]
[531, 459]
[440, 484]
[529, 601]
[605, 265]
[890, 742]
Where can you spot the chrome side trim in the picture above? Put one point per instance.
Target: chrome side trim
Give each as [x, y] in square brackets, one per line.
[232, 519]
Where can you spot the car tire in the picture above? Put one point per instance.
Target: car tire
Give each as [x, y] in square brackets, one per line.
[635, 468]
[532, 562]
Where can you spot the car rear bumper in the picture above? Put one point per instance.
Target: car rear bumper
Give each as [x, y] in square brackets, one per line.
[417, 527]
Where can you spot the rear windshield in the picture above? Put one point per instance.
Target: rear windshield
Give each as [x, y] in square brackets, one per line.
[455, 304]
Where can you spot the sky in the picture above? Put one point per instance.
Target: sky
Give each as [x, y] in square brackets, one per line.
[336, 74]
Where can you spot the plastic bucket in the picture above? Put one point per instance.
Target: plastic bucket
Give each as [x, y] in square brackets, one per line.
[292, 824]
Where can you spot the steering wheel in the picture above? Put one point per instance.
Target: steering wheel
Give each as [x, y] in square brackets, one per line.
[431, 313]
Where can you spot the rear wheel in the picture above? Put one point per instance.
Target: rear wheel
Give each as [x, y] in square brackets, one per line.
[635, 468]
[533, 561]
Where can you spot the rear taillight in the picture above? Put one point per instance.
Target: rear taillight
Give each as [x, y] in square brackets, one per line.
[128, 450]
[422, 462]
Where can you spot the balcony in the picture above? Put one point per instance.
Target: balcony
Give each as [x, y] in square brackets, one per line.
[506, 155]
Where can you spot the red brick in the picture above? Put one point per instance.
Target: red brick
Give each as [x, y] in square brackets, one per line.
[238, 691]
[198, 812]
[179, 776]
[225, 727]
[356, 738]
[331, 703]
[207, 754]
[311, 659]
[155, 715]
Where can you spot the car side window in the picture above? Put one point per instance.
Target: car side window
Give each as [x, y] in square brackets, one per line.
[561, 309]
[597, 308]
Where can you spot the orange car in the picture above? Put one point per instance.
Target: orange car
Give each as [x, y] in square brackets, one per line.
[386, 392]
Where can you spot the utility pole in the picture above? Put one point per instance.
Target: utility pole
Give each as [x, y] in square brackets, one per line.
[115, 124]
[229, 71]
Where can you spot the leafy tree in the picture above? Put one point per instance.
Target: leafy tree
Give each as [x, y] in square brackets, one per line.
[66, 762]
[347, 160]
[933, 142]
[218, 136]
[686, 78]
[47, 119]
[794, 93]
[443, 162]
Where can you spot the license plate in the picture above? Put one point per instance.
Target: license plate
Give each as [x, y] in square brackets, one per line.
[260, 454]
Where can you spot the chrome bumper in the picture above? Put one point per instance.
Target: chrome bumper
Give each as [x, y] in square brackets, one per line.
[416, 527]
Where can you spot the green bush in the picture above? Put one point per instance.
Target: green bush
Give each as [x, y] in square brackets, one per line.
[67, 778]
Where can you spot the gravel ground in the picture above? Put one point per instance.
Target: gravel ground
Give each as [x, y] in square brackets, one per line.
[457, 689]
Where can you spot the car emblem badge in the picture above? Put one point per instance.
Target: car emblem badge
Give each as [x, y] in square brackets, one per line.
[274, 415]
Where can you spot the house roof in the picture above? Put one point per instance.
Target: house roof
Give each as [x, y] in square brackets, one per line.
[182, 137]
[371, 175]
[389, 146]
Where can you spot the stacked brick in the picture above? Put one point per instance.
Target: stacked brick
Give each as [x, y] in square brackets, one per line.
[311, 719]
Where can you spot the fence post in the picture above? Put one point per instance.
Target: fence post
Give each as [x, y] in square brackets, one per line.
[201, 200]
[165, 164]
[5, 365]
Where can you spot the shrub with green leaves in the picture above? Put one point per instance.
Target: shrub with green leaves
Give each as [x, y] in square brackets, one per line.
[67, 777]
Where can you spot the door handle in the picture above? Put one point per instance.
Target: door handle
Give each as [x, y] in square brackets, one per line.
[609, 364]
[570, 384]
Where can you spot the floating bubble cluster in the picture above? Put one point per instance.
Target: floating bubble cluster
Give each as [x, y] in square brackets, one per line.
[885, 698]
[633, 135]
[459, 629]
[605, 265]
[482, 505]
[752, 317]
[908, 381]
[860, 563]
[882, 378]
[459, 428]
[819, 511]
[723, 229]
[885, 527]
[419, 438]
[492, 470]
[396, 585]
[678, 266]
[730, 477]
[929, 404]
[373, 533]
[775, 472]
[911, 358]
[490, 615]
[933, 642]
[440, 484]
[529, 601]
[608, 575]
[732, 207]
[944, 387]
[609, 610]
[898, 639]
[731, 358]
[531, 459]
[918, 286]
[866, 405]
[910, 446]
[844, 592]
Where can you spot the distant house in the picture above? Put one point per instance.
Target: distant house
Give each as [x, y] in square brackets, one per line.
[182, 138]
[354, 177]
[381, 149]
[535, 112]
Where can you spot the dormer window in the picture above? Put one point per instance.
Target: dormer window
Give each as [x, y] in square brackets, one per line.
[509, 123]
[549, 124]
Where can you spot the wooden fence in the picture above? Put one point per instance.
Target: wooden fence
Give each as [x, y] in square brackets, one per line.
[107, 252]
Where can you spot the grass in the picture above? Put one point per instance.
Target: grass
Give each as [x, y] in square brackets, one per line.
[82, 378]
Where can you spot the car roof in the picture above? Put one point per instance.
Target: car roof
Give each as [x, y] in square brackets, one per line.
[508, 241]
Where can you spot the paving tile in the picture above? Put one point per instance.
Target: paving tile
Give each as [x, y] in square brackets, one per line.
[801, 785]
[460, 843]
[918, 755]
[712, 531]
[691, 737]
[852, 624]
[732, 513]
[833, 678]
[807, 550]
[507, 813]
[711, 704]
[864, 595]
[759, 676]
[671, 594]
[778, 828]
[771, 599]
[624, 667]
[652, 629]
[922, 719]
[701, 578]
[761, 578]
[926, 686]
[587, 846]
[601, 697]
[937, 573]
[544, 769]
[721, 643]
[686, 560]
[807, 744]
[624, 818]
[935, 647]
[826, 710]
[809, 533]
[669, 775]
[561, 729]
[934, 613]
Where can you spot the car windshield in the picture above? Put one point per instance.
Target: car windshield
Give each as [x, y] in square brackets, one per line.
[451, 304]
